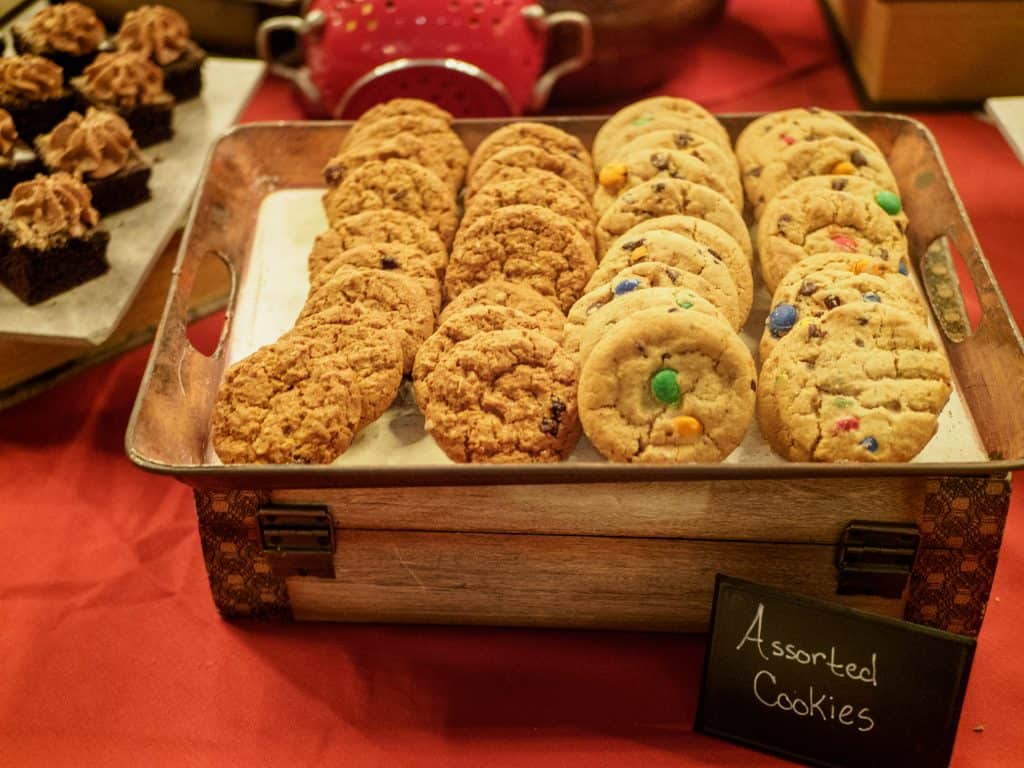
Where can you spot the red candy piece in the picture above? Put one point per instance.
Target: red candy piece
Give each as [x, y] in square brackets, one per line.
[846, 424]
[787, 138]
[845, 243]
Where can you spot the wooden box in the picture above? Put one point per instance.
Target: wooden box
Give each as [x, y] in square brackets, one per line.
[584, 543]
[907, 51]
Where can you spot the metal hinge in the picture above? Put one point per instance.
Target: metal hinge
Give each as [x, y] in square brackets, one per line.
[876, 558]
[297, 541]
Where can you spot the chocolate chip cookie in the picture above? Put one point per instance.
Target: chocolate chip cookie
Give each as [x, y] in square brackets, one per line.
[794, 228]
[524, 244]
[665, 197]
[504, 396]
[398, 185]
[855, 185]
[282, 405]
[627, 171]
[658, 113]
[865, 382]
[823, 282]
[829, 156]
[719, 160]
[682, 253]
[667, 386]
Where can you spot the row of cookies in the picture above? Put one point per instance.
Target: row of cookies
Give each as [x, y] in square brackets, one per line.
[664, 375]
[494, 382]
[65, 63]
[375, 279]
[850, 369]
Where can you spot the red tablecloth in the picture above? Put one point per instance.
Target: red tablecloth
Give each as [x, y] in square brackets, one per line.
[111, 651]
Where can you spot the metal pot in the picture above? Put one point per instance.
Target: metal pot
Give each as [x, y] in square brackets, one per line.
[473, 57]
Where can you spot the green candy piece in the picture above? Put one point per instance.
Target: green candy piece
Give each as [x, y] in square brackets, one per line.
[685, 304]
[643, 120]
[889, 201]
[665, 386]
[842, 402]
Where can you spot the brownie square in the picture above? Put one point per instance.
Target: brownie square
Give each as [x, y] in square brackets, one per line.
[35, 275]
[34, 117]
[150, 123]
[183, 78]
[23, 165]
[71, 64]
[127, 187]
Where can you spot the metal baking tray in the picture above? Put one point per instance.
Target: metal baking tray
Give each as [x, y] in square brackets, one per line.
[89, 314]
[258, 211]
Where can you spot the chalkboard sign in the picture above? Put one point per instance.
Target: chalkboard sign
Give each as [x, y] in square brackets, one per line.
[828, 685]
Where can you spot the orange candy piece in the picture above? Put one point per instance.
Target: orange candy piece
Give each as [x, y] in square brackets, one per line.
[687, 426]
[844, 168]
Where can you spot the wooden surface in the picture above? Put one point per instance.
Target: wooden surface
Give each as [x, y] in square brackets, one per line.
[563, 581]
[27, 368]
[741, 510]
[934, 51]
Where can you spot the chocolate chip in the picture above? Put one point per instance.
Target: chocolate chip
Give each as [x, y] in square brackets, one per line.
[858, 159]
[333, 174]
[785, 218]
[807, 288]
[682, 139]
[674, 309]
[755, 172]
[883, 254]
[640, 348]
[659, 160]
[551, 423]
[717, 256]
[753, 386]
[632, 245]
[839, 184]
[673, 274]
[659, 187]
[862, 321]
[388, 263]
[859, 342]
[399, 194]
[831, 302]
[665, 355]
[814, 332]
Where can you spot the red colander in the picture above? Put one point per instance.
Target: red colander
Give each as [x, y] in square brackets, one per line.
[475, 58]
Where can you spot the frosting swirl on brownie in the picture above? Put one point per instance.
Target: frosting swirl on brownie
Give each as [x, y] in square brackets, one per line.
[8, 134]
[97, 145]
[30, 77]
[69, 28]
[158, 33]
[48, 207]
[125, 79]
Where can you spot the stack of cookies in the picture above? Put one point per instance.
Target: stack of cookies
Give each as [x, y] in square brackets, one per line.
[375, 280]
[850, 369]
[664, 375]
[494, 382]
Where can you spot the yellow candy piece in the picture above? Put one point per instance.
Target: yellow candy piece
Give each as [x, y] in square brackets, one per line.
[869, 265]
[687, 426]
[638, 254]
[802, 324]
[613, 175]
[844, 168]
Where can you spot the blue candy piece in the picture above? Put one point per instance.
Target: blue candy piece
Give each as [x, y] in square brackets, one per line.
[870, 444]
[873, 297]
[782, 319]
[903, 267]
[625, 286]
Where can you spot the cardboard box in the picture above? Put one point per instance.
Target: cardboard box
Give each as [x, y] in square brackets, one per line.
[907, 51]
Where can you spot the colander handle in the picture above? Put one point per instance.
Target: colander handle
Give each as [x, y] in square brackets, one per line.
[300, 26]
[537, 16]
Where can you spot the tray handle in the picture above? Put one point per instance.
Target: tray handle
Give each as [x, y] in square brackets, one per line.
[988, 361]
